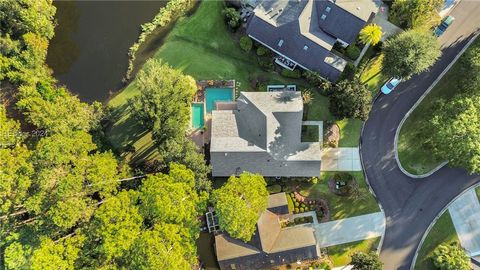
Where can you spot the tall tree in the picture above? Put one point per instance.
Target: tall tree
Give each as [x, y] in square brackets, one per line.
[163, 104]
[366, 261]
[469, 66]
[350, 99]
[455, 135]
[239, 204]
[451, 256]
[416, 13]
[10, 133]
[410, 53]
[371, 34]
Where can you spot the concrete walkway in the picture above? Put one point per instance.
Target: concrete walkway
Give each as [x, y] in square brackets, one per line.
[465, 213]
[341, 159]
[350, 229]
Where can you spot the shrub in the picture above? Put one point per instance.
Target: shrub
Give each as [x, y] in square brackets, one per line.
[231, 18]
[302, 209]
[349, 71]
[450, 256]
[353, 52]
[246, 43]
[262, 50]
[274, 188]
[295, 74]
[314, 180]
[350, 99]
[297, 204]
[265, 63]
[296, 210]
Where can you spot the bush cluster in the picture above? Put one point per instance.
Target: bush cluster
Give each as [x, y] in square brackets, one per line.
[353, 52]
[246, 43]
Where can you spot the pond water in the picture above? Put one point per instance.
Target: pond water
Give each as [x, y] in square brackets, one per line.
[89, 51]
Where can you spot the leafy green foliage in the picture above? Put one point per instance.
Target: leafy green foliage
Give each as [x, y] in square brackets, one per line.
[262, 50]
[246, 43]
[455, 136]
[10, 133]
[353, 52]
[366, 261]
[295, 74]
[371, 34]
[232, 18]
[163, 104]
[239, 204]
[350, 99]
[470, 70]
[450, 256]
[410, 53]
[416, 13]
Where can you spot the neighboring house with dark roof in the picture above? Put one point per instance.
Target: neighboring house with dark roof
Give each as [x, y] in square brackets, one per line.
[303, 32]
[271, 245]
[261, 133]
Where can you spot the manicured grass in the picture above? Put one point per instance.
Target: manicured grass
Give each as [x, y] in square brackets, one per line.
[340, 254]
[340, 206]
[442, 232]
[372, 76]
[413, 150]
[310, 134]
[477, 191]
[318, 110]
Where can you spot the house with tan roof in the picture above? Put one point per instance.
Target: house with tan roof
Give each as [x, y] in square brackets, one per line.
[271, 245]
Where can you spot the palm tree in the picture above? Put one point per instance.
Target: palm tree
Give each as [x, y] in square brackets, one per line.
[307, 96]
[369, 35]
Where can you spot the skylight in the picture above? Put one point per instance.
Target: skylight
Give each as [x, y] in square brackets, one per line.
[323, 17]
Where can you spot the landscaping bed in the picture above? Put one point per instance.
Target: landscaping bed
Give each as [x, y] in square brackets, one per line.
[414, 152]
[442, 232]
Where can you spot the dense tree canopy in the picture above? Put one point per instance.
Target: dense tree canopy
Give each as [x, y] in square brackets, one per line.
[470, 69]
[366, 261]
[455, 132]
[239, 204]
[10, 130]
[410, 53]
[163, 104]
[350, 99]
[416, 13]
[451, 256]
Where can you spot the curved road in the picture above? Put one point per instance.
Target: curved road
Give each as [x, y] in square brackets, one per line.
[410, 205]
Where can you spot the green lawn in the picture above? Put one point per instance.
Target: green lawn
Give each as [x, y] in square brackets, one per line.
[340, 254]
[310, 134]
[477, 191]
[413, 150]
[372, 75]
[442, 232]
[340, 206]
[318, 110]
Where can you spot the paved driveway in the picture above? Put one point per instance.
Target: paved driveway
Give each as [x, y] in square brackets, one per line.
[465, 213]
[350, 229]
[341, 159]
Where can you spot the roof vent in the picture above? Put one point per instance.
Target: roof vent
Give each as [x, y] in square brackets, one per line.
[323, 17]
[305, 47]
[358, 8]
[327, 9]
[280, 43]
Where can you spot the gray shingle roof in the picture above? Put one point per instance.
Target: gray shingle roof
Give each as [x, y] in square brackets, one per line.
[307, 38]
[263, 135]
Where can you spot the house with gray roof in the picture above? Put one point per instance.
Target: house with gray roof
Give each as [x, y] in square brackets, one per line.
[303, 32]
[261, 133]
[271, 245]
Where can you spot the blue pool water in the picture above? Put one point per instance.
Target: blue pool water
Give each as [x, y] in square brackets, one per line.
[197, 115]
[217, 94]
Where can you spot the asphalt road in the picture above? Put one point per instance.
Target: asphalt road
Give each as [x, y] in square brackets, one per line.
[411, 204]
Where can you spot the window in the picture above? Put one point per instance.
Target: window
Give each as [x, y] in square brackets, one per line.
[305, 47]
[327, 9]
[323, 17]
[280, 43]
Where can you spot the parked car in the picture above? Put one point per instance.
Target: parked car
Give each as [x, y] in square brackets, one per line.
[442, 27]
[390, 85]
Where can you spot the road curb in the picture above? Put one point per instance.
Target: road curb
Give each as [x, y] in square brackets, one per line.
[397, 132]
[380, 244]
[412, 265]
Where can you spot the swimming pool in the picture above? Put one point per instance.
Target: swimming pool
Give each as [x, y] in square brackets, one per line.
[217, 94]
[197, 115]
